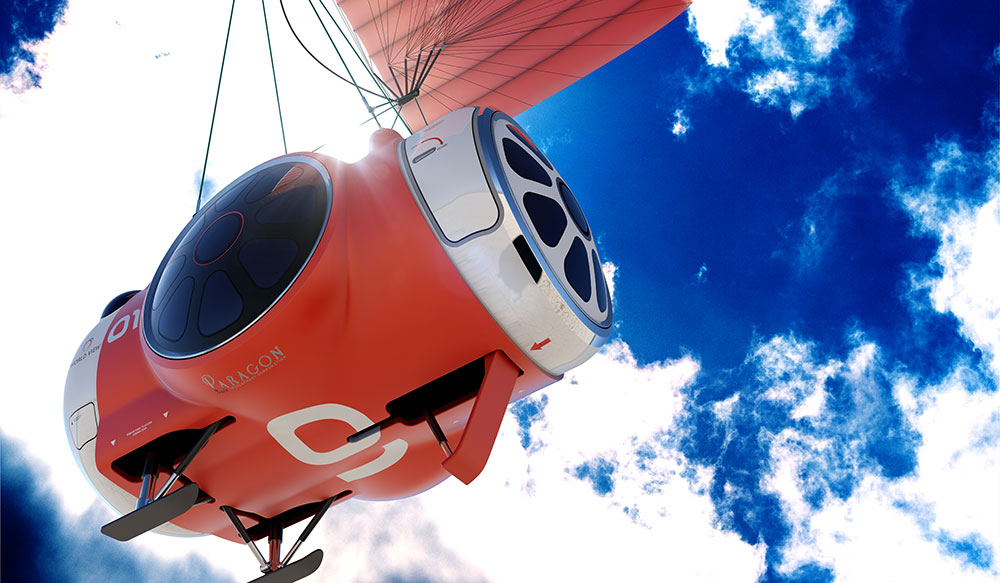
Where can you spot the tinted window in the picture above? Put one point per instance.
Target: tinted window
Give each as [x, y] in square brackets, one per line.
[218, 238]
[194, 231]
[522, 163]
[266, 260]
[527, 142]
[221, 304]
[265, 182]
[233, 265]
[574, 209]
[173, 318]
[602, 290]
[167, 279]
[226, 199]
[577, 266]
[547, 216]
[293, 206]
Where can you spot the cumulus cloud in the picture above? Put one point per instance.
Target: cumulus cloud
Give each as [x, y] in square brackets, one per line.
[29, 23]
[840, 462]
[780, 53]
[937, 523]
[956, 199]
[41, 543]
[585, 484]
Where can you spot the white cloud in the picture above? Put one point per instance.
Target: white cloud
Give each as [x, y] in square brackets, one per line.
[718, 22]
[892, 529]
[889, 529]
[781, 54]
[529, 505]
[787, 365]
[681, 123]
[702, 275]
[959, 203]
[610, 272]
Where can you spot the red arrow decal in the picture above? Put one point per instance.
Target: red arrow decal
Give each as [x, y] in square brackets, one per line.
[539, 345]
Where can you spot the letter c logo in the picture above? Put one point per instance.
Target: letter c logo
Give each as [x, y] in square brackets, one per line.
[282, 429]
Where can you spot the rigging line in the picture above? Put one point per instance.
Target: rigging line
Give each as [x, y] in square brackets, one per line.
[416, 72]
[274, 75]
[522, 21]
[315, 58]
[462, 22]
[385, 108]
[383, 88]
[490, 50]
[396, 81]
[547, 26]
[421, 110]
[378, 82]
[430, 63]
[486, 88]
[482, 68]
[215, 108]
[534, 15]
[406, 74]
[497, 49]
[343, 62]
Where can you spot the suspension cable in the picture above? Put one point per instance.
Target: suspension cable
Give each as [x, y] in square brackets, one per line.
[393, 101]
[371, 110]
[315, 58]
[215, 108]
[274, 75]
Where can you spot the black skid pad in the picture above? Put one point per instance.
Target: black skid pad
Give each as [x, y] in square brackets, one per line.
[153, 514]
[294, 571]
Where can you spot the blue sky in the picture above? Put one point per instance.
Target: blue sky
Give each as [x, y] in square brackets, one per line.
[801, 203]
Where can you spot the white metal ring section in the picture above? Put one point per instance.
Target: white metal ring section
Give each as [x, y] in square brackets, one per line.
[476, 228]
[554, 256]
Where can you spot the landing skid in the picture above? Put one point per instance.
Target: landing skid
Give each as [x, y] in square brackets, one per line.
[152, 512]
[152, 515]
[277, 570]
[294, 571]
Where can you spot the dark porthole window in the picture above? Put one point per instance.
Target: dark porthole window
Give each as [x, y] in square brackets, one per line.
[521, 162]
[602, 290]
[527, 142]
[577, 266]
[267, 259]
[293, 206]
[174, 316]
[234, 261]
[167, 280]
[266, 182]
[574, 209]
[546, 216]
[221, 304]
[218, 238]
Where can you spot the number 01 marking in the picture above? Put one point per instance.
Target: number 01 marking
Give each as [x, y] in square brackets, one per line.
[282, 429]
[121, 326]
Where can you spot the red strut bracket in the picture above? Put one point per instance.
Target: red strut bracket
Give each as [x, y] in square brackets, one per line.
[481, 430]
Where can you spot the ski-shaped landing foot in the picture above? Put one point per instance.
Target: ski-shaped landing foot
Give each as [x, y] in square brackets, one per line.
[294, 571]
[152, 515]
